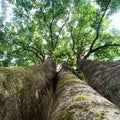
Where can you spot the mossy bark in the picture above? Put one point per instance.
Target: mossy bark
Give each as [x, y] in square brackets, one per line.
[26, 92]
[104, 77]
[75, 100]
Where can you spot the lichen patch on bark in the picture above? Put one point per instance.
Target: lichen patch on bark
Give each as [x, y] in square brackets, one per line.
[78, 101]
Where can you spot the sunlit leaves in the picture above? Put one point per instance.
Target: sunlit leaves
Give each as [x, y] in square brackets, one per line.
[65, 28]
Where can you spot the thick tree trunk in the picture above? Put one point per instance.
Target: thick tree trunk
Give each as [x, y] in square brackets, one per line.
[104, 77]
[26, 92]
[75, 100]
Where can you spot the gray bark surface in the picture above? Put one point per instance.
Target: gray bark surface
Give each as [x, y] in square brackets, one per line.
[75, 100]
[104, 77]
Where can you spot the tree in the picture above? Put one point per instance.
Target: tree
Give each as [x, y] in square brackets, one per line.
[69, 32]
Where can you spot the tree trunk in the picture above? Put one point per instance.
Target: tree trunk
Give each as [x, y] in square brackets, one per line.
[75, 100]
[26, 92]
[104, 77]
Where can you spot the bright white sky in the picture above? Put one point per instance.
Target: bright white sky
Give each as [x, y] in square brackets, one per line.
[0, 7]
[115, 20]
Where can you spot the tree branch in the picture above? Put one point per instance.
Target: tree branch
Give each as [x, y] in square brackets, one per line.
[44, 18]
[73, 40]
[104, 46]
[50, 24]
[97, 30]
[61, 28]
[32, 49]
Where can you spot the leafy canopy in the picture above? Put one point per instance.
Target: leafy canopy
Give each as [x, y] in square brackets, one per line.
[67, 29]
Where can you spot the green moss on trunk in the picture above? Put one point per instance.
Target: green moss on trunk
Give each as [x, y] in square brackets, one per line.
[27, 92]
[75, 100]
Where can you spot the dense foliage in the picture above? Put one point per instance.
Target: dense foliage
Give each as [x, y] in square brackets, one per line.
[63, 28]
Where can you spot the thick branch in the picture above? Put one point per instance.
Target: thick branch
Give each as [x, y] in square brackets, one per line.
[34, 52]
[73, 40]
[97, 30]
[51, 36]
[104, 46]
[51, 25]
[101, 47]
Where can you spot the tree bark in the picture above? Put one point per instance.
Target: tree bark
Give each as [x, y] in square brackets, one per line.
[26, 92]
[30, 93]
[104, 77]
[75, 100]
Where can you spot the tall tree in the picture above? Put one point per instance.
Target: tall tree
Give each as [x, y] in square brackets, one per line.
[71, 31]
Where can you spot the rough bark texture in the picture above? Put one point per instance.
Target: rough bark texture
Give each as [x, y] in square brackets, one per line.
[26, 92]
[104, 77]
[75, 100]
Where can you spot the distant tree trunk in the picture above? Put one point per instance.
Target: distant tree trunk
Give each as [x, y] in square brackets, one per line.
[104, 77]
[26, 92]
[75, 100]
